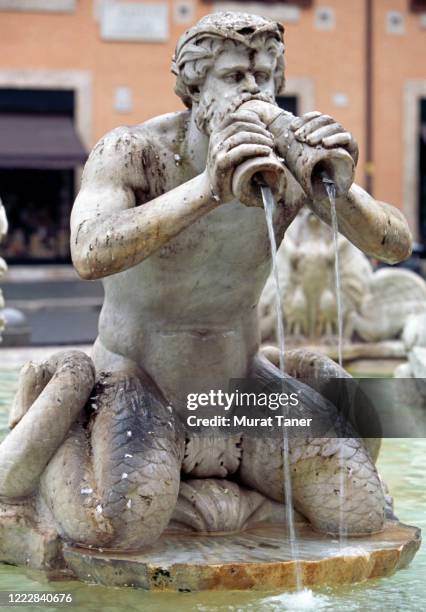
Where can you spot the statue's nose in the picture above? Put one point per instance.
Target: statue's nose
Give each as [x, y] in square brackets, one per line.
[249, 84]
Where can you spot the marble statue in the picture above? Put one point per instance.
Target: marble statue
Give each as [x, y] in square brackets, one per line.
[3, 266]
[376, 305]
[170, 218]
[412, 386]
[307, 282]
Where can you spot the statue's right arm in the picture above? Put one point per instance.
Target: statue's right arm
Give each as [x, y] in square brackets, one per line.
[109, 232]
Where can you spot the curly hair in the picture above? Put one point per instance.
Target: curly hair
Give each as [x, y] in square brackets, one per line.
[199, 47]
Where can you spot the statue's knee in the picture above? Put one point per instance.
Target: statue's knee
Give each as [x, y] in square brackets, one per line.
[339, 494]
[33, 378]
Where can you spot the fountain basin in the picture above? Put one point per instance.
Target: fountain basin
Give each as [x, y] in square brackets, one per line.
[257, 559]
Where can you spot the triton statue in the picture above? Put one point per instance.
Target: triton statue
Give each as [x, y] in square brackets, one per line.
[168, 217]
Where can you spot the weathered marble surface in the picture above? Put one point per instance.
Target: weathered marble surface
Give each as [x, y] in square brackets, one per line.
[26, 541]
[254, 559]
[257, 559]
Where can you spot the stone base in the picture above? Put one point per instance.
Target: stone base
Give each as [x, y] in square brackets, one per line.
[26, 541]
[257, 559]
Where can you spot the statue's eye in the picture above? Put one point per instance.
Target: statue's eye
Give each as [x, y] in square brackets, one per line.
[234, 77]
[262, 77]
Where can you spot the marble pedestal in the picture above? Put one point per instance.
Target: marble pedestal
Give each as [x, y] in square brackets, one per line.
[257, 559]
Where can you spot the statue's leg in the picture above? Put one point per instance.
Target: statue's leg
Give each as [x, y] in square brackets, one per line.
[115, 481]
[319, 372]
[40, 424]
[321, 468]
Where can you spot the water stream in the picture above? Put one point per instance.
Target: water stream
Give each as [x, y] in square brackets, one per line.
[269, 206]
[331, 192]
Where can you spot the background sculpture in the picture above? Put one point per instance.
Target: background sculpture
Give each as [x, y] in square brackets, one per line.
[376, 304]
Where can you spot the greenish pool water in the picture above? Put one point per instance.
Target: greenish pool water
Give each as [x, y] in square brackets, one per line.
[402, 465]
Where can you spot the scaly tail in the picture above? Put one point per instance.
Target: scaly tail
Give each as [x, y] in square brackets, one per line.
[115, 483]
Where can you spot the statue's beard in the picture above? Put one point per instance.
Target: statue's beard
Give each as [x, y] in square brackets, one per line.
[208, 117]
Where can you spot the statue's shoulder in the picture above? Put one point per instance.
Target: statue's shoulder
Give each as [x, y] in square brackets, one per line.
[121, 155]
[155, 134]
[164, 128]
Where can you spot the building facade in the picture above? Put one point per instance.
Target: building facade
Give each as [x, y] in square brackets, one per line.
[70, 70]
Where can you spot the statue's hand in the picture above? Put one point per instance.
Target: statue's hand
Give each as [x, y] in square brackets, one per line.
[316, 129]
[240, 137]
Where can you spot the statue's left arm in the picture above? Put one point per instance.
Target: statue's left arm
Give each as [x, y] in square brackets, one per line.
[378, 229]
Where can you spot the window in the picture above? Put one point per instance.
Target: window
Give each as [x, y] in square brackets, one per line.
[37, 101]
[288, 103]
[418, 6]
[38, 201]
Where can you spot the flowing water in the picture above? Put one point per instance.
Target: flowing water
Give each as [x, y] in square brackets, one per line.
[269, 206]
[331, 192]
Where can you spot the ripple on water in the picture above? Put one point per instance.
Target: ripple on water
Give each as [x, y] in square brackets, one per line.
[302, 600]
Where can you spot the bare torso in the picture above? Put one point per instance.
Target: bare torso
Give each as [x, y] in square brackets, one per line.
[187, 314]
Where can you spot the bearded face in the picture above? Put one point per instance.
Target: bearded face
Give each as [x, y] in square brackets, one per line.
[238, 74]
[206, 114]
